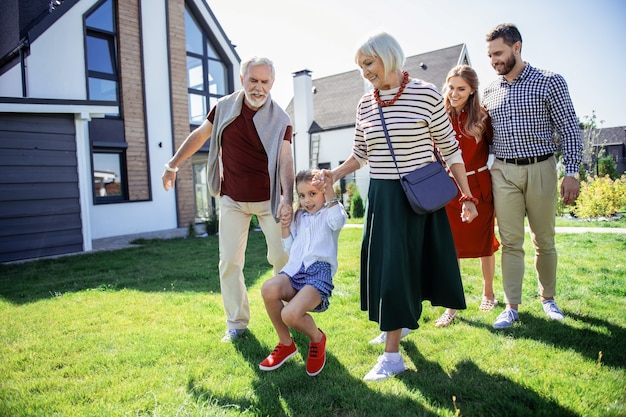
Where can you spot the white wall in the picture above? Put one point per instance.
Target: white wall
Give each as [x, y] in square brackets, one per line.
[56, 64]
[303, 118]
[11, 83]
[336, 147]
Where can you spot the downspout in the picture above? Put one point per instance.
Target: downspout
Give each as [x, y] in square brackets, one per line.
[23, 67]
[18, 50]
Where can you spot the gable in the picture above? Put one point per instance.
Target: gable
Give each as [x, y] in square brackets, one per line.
[609, 136]
[335, 97]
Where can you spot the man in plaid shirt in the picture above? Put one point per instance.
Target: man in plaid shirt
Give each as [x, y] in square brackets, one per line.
[532, 116]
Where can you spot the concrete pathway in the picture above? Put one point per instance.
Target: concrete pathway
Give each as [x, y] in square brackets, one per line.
[121, 242]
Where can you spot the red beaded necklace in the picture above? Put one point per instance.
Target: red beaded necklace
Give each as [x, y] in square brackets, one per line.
[405, 81]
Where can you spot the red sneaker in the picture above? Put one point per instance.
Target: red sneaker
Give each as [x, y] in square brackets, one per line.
[317, 356]
[278, 356]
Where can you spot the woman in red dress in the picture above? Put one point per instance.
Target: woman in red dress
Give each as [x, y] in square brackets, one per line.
[473, 131]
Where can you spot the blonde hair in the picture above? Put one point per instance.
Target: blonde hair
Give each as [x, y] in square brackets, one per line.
[476, 122]
[387, 48]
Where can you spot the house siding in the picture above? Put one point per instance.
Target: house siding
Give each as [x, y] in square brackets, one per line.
[39, 195]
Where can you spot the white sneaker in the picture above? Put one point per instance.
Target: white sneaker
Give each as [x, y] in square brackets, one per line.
[382, 338]
[552, 310]
[384, 369]
[506, 319]
[233, 334]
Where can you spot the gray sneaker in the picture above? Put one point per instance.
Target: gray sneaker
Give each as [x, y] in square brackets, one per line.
[233, 334]
[382, 338]
[506, 319]
[384, 369]
[552, 310]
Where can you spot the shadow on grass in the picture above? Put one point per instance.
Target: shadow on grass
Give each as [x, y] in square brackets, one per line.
[477, 393]
[609, 338]
[157, 265]
[289, 391]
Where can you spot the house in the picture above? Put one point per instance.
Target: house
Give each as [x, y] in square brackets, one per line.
[95, 96]
[611, 140]
[323, 110]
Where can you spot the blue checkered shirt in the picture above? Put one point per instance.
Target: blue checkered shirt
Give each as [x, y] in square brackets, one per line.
[534, 116]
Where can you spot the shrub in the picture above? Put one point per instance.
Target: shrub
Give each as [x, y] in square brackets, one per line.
[601, 197]
[607, 166]
[211, 224]
[191, 229]
[357, 210]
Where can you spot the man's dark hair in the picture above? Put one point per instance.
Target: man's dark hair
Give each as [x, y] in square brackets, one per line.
[507, 31]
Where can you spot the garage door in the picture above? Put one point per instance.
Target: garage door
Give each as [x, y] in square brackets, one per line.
[39, 194]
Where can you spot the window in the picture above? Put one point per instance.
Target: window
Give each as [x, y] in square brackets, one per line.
[203, 208]
[108, 172]
[100, 47]
[108, 160]
[207, 78]
[107, 134]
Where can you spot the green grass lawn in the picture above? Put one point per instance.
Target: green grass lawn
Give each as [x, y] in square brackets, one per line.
[136, 332]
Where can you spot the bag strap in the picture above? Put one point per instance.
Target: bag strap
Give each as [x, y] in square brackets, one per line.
[393, 155]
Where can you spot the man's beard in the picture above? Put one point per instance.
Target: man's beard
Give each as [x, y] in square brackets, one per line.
[509, 64]
[255, 102]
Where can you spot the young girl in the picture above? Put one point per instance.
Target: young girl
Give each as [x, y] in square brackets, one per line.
[305, 283]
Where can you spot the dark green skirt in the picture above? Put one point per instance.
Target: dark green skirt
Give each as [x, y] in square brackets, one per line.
[406, 258]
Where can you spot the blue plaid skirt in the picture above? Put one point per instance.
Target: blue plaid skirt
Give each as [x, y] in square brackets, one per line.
[318, 276]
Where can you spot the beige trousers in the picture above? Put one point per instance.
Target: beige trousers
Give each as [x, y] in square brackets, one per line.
[234, 223]
[519, 191]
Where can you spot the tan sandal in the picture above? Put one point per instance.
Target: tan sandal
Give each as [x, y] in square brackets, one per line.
[487, 304]
[446, 319]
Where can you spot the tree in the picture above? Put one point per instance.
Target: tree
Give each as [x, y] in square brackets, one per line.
[590, 137]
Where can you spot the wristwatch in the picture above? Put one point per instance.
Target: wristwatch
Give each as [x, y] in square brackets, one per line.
[576, 175]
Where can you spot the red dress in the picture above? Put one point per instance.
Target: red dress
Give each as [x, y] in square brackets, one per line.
[475, 239]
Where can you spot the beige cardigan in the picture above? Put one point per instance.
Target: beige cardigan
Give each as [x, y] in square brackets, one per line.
[271, 124]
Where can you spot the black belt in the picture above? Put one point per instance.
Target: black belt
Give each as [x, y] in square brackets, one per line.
[527, 161]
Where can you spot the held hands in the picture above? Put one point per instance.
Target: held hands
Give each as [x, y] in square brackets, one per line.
[285, 212]
[320, 181]
[327, 177]
[468, 212]
[324, 183]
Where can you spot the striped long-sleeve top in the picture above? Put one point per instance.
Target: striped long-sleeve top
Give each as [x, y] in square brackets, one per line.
[414, 121]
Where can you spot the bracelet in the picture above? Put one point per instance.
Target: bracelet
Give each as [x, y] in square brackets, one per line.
[169, 168]
[465, 198]
[329, 203]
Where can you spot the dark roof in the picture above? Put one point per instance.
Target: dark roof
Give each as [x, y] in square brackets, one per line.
[336, 96]
[610, 136]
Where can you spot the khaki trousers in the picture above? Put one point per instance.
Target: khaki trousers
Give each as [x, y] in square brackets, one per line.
[519, 191]
[234, 223]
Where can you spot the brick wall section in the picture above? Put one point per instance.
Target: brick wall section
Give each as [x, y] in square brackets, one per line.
[180, 113]
[132, 99]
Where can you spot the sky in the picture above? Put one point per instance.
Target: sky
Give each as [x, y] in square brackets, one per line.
[583, 40]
